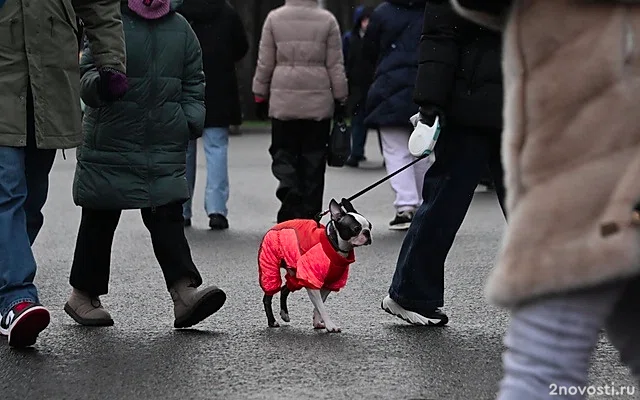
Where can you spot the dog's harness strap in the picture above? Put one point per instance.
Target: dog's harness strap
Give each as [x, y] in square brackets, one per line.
[319, 216]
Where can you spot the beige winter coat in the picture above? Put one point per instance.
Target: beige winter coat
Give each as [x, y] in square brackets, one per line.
[571, 147]
[300, 63]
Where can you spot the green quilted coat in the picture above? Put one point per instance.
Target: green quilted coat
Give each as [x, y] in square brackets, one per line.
[134, 150]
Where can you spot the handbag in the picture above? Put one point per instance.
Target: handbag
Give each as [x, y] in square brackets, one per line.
[339, 144]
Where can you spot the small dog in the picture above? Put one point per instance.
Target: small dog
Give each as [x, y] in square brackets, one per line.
[314, 257]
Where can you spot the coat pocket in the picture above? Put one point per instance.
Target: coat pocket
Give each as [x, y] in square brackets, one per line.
[62, 48]
[11, 34]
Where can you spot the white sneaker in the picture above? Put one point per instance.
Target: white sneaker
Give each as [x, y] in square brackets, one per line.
[435, 318]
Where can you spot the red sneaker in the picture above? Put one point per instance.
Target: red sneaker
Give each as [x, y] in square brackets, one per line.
[23, 323]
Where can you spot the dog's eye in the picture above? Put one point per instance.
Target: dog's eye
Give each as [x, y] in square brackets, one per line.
[357, 230]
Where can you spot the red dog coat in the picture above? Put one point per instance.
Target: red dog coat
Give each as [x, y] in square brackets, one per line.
[310, 259]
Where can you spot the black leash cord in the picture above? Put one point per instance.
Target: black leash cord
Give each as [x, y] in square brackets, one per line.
[373, 185]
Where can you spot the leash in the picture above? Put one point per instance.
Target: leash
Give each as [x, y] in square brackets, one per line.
[319, 216]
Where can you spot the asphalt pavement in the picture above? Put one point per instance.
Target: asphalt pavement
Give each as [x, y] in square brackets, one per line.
[233, 355]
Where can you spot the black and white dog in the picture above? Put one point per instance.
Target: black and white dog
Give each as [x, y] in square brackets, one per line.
[315, 257]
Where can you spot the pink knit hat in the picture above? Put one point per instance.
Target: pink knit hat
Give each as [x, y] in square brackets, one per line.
[150, 9]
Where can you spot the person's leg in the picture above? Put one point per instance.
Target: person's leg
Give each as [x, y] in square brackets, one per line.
[418, 281]
[92, 256]
[496, 170]
[17, 263]
[170, 244]
[313, 165]
[192, 166]
[38, 164]
[284, 152]
[396, 155]
[216, 145]
[623, 327]
[91, 266]
[358, 138]
[550, 340]
[24, 183]
[180, 273]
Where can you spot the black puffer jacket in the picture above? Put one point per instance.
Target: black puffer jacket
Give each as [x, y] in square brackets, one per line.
[460, 69]
[391, 42]
[224, 42]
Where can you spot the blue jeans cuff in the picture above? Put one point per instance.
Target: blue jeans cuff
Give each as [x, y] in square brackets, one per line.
[18, 301]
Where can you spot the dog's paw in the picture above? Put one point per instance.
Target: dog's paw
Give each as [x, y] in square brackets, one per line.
[332, 328]
[284, 316]
[318, 323]
[274, 324]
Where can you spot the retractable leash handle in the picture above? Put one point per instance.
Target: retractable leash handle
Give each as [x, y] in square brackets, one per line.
[424, 137]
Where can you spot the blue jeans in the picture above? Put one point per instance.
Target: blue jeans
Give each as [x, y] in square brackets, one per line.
[461, 158]
[24, 183]
[358, 134]
[216, 145]
[550, 341]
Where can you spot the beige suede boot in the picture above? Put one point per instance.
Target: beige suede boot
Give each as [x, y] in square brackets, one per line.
[191, 305]
[87, 310]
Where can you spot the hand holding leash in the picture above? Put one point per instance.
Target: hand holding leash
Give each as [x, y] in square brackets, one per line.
[425, 134]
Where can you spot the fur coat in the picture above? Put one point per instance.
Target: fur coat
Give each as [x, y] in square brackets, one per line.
[571, 145]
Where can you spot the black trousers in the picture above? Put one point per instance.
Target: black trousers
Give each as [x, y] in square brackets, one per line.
[299, 153]
[462, 156]
[92, 257]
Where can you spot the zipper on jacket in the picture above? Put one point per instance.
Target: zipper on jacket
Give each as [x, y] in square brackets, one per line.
[51, 24]
[152, 103]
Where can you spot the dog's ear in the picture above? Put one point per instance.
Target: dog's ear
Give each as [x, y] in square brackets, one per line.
[348, 206]
[336, 210]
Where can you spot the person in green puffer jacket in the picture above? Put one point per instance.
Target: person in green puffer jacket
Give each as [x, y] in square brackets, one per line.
[134, 157]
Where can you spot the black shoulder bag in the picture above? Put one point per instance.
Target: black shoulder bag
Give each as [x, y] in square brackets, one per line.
[339, 144]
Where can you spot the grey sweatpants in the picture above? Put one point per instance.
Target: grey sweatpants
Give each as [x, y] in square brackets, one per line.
[550, 342]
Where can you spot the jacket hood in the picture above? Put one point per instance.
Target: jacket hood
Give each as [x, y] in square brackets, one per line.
[201, 10]
[409, 3]
[360, 13]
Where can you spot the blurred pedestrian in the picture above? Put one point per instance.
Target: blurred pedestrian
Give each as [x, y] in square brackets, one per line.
[460, 82]
[134, 157]
[224, 42]
[300, 83]
[391, 43]
[570, 262]
[359, 75]
[40, 113]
